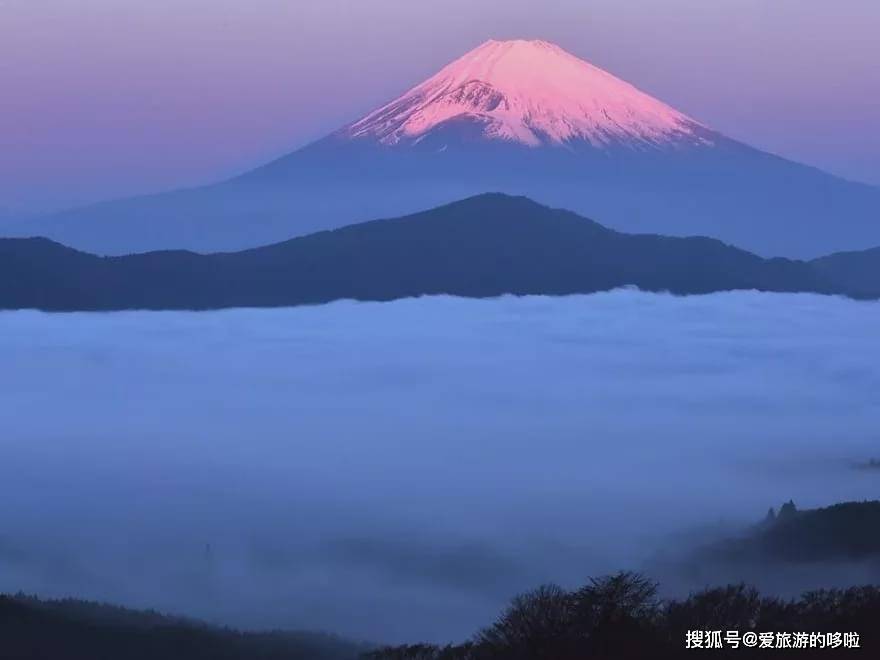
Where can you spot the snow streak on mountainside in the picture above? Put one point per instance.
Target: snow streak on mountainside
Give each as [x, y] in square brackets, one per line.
[532, 93]
[517, 117]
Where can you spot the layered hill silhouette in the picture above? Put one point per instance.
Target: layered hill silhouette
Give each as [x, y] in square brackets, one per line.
[81, 630]
[844, 531]
[520, 117]
[620, 616]
[480, 247]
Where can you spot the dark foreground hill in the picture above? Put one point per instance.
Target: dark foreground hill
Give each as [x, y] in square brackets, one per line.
[789, 551]
[620, 617]
[77, 630]
[480, 247]
[616, 617]
[845, 531]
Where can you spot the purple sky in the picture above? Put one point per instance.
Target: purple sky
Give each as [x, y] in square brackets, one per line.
[103, 98]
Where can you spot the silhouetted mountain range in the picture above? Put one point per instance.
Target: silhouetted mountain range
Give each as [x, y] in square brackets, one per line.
[520, 117]
[70, 629]
[480, 247]
[619, 616]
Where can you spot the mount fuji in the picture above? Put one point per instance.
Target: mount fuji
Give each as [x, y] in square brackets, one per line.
[518, 117]
[530, 93]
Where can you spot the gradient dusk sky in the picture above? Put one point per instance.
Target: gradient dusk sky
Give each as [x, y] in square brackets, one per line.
[105, 98]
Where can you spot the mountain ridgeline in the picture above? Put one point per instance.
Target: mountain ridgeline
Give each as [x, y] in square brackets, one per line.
[33, 629]
[484, 246]
[519, 117]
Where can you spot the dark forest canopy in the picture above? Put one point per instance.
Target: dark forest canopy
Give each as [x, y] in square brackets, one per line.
[845, 531]
[616, 616]
[621, 617]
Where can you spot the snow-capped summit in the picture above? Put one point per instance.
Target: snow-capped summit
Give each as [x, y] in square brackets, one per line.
[516, 117]
[529, 92]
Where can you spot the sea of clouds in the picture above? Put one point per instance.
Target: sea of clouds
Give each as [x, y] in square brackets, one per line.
[396, 471]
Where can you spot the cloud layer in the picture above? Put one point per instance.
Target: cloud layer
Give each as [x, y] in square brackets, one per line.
[395, 471]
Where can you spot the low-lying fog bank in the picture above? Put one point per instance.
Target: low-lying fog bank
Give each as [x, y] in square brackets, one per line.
[396, 471]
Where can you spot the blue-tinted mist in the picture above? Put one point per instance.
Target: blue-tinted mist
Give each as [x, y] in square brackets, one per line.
[396, 471]
[721, 189]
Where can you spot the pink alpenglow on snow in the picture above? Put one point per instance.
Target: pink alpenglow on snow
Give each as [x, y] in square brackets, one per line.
[533, 93]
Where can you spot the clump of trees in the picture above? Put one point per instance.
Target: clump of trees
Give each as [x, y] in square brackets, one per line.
[620, 616]
[849, 531]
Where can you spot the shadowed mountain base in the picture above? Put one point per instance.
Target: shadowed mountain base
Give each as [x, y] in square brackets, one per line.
[484, 246]
[77, 630]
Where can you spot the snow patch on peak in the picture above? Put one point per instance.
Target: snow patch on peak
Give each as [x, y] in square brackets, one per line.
[533, 93]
